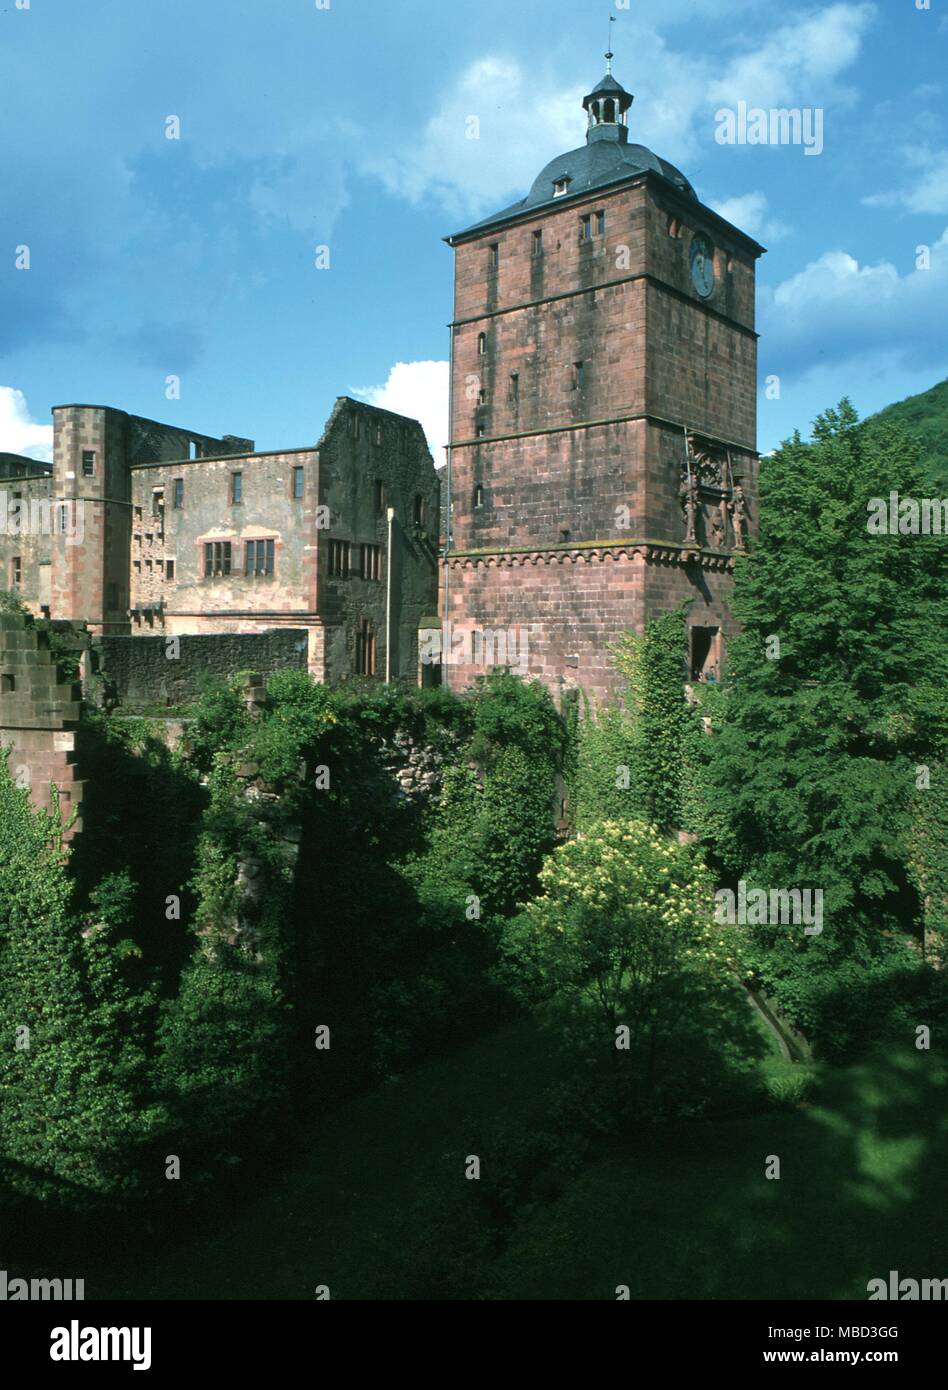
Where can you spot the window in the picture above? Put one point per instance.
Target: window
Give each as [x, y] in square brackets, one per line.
[178, 494]
[339, 559]
[560, 187]
[365, 649]
[298, 481]
[236, 488]
[482, 396]
[478, 496]
[63, 516]
[579, 375]
[379, 497]
[88, 463]
[480, 432]
[378, 434]
[259, 558]
[7, 684]
[216, 558]
[418, 512]
[169, 569]
[600, 223]
[194, 449]
[356, 426]
[157, 501]
[371, 566]
[538, 243]
[585, 227]
[493, 257]
[16, 571]
[481, 344]
[515, 387]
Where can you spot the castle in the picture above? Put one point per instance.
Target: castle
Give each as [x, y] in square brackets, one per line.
[602, 465]
[143, 528]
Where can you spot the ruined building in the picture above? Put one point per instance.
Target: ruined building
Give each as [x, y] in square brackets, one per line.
[143, 528]
[603, 463]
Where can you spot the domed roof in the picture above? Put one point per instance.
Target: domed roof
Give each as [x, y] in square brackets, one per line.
[606, 158]
[591, 166]
[586, 168]
[608, 85]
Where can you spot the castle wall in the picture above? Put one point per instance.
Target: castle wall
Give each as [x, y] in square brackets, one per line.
[151, 671]
[38, 718]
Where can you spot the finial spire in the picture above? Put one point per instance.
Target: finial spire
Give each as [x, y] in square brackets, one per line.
[609, 54]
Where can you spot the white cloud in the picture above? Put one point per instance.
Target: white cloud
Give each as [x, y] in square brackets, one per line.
[800, 62]
[19, 432]
[749, 212]
[928, 192]
[837, 310]
[420, 391]
[484, 142]
[527, 114]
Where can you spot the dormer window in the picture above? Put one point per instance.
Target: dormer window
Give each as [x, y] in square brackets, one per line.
[561, 186]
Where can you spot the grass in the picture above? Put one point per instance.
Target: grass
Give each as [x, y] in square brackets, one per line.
[678, 1211]
[691, 1214]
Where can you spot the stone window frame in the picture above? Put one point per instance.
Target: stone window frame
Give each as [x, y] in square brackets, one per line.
[260, 558]
[178, 494]
[16, 571]
[88, 463]
[298, 482]
[366, 653]
[218, 559]
[339, 559]
[370, 562]
[237, 488]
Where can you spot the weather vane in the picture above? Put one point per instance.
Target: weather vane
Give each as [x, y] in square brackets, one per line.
[609, 53]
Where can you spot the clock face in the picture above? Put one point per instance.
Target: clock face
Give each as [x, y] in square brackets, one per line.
[702, 266]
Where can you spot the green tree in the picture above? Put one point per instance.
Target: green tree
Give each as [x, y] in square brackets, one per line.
[622, 915]
[75, 1115]
[838, 686]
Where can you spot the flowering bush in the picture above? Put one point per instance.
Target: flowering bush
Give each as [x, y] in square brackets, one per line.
[624, 915]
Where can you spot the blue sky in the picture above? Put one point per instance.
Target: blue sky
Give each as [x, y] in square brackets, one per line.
[346, 127]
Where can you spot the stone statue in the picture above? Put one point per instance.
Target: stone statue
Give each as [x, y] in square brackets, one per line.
[717, 527]
[739, 518]
[688, 493]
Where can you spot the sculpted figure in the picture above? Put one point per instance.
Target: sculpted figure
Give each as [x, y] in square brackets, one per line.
[739, 518]
[688, 493]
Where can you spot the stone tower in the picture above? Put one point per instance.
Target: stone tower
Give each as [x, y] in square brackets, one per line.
[603, 464]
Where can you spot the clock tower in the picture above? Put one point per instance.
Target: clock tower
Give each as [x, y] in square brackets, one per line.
[602, 466]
